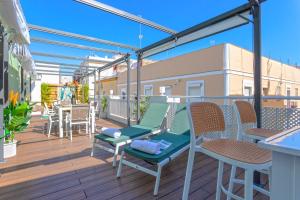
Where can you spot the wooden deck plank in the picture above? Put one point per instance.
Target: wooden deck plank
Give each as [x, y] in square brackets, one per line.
[53, 168]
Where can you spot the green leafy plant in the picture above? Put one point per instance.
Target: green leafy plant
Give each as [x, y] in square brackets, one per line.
[85, 93]
[45, 93]
[144, 103]
[16, 117]
[104, 103]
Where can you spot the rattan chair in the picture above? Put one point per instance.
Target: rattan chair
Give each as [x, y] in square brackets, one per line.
[247, 127]
[79, 115]
[207, 117]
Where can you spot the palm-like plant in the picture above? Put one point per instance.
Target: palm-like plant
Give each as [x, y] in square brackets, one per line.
[16, 116]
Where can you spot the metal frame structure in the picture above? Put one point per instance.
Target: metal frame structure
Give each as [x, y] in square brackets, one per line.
[229, 20]
[78, 36]
[125, 58]
[126, 15]
[73, 45]
[66, 57]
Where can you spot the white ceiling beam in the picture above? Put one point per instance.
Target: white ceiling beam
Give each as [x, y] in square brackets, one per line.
[68, 57]
[78, 36]
[72, 45]
[124, 14]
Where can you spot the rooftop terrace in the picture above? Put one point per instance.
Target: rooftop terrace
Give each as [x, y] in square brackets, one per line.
[59, 169]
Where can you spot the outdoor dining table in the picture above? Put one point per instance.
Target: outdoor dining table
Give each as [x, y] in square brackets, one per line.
[285, 147]
[67, 108]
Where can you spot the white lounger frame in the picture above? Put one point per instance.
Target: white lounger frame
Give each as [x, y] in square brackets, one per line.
[157, 173]
[115, 151]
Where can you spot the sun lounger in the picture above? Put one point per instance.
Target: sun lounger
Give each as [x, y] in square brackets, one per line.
[179, 139]
[150, 124]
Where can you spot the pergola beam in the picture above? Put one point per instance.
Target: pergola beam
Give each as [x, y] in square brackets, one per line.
[218, 24]
[109, 65]
[72, 45]
[60, 64]
[67, 57]
[124, 14]
[78, 36]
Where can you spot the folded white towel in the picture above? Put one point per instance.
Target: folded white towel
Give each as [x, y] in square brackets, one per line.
[111, 132]
[146, 146]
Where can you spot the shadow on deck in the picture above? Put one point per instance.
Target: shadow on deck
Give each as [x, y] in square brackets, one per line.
[57, 168]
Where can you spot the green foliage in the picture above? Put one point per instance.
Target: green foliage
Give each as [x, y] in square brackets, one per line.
[85, 96]
[45, 93]
[104, 103]
[144, 103]
[16, 119]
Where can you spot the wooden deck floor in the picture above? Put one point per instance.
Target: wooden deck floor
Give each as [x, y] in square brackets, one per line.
[60, 169]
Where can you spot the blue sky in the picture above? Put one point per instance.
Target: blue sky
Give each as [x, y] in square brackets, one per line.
[280, 24]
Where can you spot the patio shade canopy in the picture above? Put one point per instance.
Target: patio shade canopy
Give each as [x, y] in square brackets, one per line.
[224, 22]
[72, 45]
[126, 15]
[81, 37]
[68, 57]
[229, 20]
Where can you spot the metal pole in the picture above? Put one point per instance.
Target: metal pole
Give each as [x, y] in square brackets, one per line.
[138, 88]
[128, 91]
[257, 68]
[95, 88]
[257, 60]
[3, 85]
[99, 95]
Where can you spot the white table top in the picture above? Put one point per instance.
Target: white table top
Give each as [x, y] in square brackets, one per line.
[287, 142]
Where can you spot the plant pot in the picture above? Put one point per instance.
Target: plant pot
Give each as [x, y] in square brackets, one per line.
[103, 115]
[10, 149]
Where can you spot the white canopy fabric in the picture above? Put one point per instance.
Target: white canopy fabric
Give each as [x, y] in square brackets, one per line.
[12, 18]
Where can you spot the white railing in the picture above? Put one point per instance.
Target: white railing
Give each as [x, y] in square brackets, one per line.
[279, 117]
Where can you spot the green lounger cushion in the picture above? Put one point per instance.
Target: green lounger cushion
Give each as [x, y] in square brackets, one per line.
[126, 134]
[178, 142]
[154, 116]
[151, 121]
[179, 136]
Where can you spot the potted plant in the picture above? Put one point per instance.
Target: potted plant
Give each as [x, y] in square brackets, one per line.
[16, 118]
[104, 104]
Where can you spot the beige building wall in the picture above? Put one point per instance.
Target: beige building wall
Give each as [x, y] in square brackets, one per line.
[277, 78]
[205, 65]
[209, 65]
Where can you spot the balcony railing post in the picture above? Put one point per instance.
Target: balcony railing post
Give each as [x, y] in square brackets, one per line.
[128, 90]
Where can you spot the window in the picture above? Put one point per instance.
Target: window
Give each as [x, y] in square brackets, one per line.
[165, 91]
[265, 91]
[123, 93]
[247, 87]
[288, 93]
[296, 92]
[278, 91]
[194, 89]
[148, 90]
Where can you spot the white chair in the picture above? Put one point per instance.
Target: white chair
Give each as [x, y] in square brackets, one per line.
[79, 115]
[52, 118]
[207, 117]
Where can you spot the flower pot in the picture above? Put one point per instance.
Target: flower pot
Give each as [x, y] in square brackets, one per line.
[10, 149]
[103, 115]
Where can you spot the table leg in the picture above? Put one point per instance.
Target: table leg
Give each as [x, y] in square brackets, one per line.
[61, 129]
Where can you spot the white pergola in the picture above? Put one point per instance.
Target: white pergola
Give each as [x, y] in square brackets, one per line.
[242, 15]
